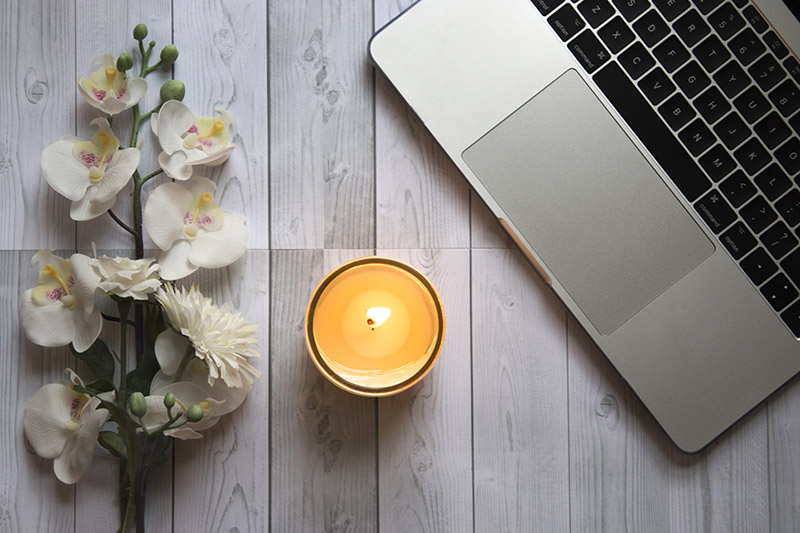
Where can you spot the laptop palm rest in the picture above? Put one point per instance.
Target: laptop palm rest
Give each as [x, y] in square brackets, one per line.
[588, 202]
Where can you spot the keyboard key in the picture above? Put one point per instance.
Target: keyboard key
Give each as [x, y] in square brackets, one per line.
[656, 86]
[767, 72]
[789, 208]
[677, 111]
[788, 156]
[588, 50]
[715, 211]
[671, 53]
[773, 182]
[791, 317]
[791, 264]
[758, 266]
[712, 53]
[631, 9]
[639, 114]
[651, 28]
[778, 240]
[596, 12]
[772, 130]
[697, 137]
[786, 98]
[792, 67]
[738, 240]
[691, 79]
[752, 156]
[712, 105]
[636, 60]
[755, 19]
[545, 7]
[566, 22]
[747, 46]
[775, 44]
[737, 188]
[616, 34]
[670, 9]
[706, 6]
[752, 104]
[732, 131]
[726, 21]
[731, 79]
[717, 163]
[794, 123]
[779, 292]
[691, 28]
[758, 214]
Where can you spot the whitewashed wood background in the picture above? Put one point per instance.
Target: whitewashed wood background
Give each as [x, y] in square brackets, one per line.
[521, 426]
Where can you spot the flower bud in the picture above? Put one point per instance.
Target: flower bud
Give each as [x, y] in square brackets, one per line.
[169, 54]
[124, 62]
[169, 400]
[140, 32]
[195, 413]
[138, 404]
[173, 90]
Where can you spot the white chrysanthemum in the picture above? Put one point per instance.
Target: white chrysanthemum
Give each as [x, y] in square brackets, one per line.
[221, 338]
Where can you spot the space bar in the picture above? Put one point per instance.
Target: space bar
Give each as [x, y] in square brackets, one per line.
[652, 131]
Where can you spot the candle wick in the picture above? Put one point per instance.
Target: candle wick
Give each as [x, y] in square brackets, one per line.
[370, 322]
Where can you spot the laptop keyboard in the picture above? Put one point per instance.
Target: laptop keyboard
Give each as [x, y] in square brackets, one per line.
[712, 92]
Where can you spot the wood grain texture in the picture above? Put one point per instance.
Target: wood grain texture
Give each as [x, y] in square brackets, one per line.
[107, 28]
[619, 468]
[784, 458]
[31, 498]
[425, 433]
[223, 62]
[321, 125]
[323, 448]
[519, 400]
[36, 104]
[423, 201]
[222, 480]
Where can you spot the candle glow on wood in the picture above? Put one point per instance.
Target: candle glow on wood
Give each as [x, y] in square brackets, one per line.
[374, 325]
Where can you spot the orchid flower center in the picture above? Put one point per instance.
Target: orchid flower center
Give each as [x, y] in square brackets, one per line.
[191, 228]
[76, 409]
[216, 128]
[111, 73]
[68, 299]
[191, 140]
[96, 172]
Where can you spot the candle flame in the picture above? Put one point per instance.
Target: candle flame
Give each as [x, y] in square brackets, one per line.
[377, 316]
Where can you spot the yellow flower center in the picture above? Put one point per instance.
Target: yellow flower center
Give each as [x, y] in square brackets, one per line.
[204, 199]
[204, 405]
[82, 400]
[50, 270]
[216, 128]
[111, 73]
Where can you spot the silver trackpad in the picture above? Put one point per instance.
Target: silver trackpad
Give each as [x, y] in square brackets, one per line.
[587, 201]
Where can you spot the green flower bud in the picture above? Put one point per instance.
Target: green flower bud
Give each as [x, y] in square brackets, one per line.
[138, 404]
[124, 62]
[173, 90]
[169, 54]
[140, 32]
[195, 413]
[169, 400]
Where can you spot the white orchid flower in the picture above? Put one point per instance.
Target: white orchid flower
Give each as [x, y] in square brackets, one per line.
[61, 308]
[125, 277]
[191, 229]
[186, 395]
[63, 424]
[187, 140]
[109, 89]
[90, 173]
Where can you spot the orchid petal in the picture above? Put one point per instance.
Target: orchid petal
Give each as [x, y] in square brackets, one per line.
[46, 325]
[174, 119]
[44, 420]
[117, 175]
[73, 462]
[87, 329]
[214, 249]
[86, 280]
[87, 209]
[164, 212]
[175, 166]
[174, 262]
[170, 348]
[65, 175]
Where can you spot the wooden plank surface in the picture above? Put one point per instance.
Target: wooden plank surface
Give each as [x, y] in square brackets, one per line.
[522, 425]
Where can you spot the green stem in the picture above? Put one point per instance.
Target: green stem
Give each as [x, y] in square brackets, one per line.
[152, 175]
[124, 308]
[121, 224]
[188, 355]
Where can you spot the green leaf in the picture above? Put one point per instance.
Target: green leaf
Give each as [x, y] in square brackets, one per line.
[113, 443]
[139, 379]
[118, 414]
[100, 386]
[98, 358]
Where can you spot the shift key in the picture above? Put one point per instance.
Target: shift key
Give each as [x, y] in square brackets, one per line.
[715, 211]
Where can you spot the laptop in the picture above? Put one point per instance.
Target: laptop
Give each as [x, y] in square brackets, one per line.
[645, 157]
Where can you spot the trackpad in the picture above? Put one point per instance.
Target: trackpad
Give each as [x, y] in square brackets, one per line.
[587, 201]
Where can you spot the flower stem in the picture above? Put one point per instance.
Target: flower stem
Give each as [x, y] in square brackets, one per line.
[121, 224]
[124, 308]
[152, 175]
[187, 357]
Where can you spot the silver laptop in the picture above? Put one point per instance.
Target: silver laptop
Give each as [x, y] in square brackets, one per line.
[644, 155]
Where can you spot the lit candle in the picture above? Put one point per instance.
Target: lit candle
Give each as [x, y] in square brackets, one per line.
[374, 326]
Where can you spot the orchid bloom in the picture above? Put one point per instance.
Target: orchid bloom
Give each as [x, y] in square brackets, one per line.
[61, 308]
[90, 173]
[63, 424]
[191, 229]
[187, 140]
[109, 89]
